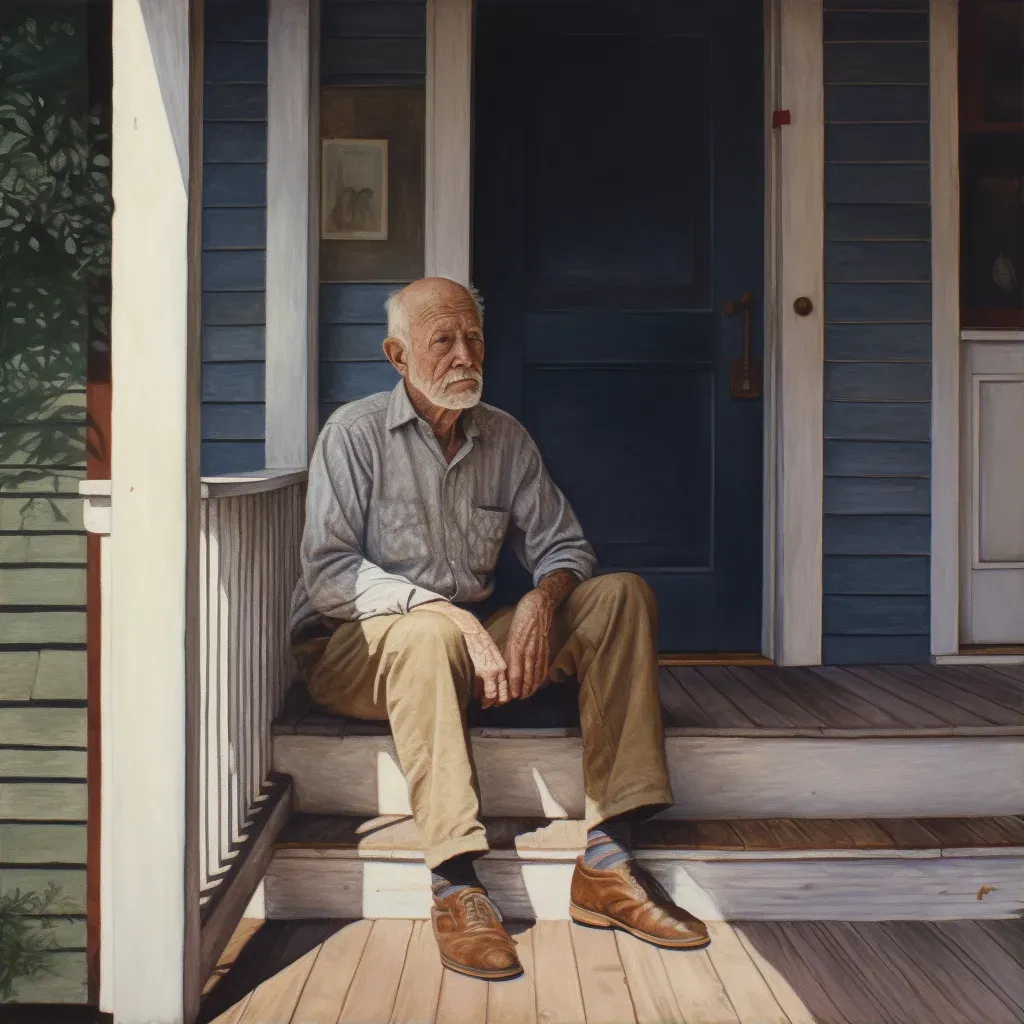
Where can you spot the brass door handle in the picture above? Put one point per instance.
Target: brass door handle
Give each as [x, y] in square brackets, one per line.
[744, 372]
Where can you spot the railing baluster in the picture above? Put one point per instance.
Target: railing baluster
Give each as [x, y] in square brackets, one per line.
[249, 562]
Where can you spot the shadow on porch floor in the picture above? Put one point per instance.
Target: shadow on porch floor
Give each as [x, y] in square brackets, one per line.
[322, 972]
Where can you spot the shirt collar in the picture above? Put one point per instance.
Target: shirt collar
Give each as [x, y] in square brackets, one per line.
[400, 412]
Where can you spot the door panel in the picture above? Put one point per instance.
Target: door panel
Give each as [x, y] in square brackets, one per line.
[617, 204]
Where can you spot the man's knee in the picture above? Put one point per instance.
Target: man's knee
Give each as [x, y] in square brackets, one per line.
[429, 635]
[627, 589]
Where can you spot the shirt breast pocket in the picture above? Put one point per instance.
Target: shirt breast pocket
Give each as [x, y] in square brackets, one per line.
[402, 532]
[487, 528]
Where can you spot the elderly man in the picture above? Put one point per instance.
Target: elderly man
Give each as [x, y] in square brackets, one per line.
[411, 495]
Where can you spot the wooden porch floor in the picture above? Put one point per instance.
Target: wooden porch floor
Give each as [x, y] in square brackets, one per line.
[961, 972]
[735, 700]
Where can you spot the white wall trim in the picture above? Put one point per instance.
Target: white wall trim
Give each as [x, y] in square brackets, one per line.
[799, 206]
[290, 357]
[155, 496]
[449, 135]
[945, 190]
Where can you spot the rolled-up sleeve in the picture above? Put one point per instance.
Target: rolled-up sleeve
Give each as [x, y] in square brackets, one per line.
[341, 582]
[548, 536]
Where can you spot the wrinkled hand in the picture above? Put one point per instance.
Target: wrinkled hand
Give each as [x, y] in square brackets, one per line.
[490, 673]
[528, 647]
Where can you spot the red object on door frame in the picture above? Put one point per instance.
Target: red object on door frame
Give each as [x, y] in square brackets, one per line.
[780, 117]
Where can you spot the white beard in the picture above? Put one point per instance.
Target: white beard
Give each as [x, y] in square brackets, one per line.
[437, 391]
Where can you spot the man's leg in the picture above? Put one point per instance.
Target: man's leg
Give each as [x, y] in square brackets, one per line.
[606, 635]
[415, 671]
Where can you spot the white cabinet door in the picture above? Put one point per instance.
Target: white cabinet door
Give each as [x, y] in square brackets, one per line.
[992, 506]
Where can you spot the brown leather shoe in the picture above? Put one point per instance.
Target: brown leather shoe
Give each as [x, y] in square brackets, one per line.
[628, 897]
[471, 938]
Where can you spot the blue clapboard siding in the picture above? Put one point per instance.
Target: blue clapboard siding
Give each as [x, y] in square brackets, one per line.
[373, 42]
[877, 445]
[234, 236]
[363, 42]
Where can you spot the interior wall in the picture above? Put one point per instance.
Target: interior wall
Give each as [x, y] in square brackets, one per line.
[877, 444]
[234, 236]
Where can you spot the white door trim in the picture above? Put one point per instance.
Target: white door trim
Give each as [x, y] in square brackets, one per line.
[795, 413]
[293, 116]
[945, 188]
[794, 229]
[449, 91]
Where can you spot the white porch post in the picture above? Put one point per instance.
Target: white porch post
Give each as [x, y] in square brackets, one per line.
[293, 133]
[155, 494]
[449, 81]
[799, 368]
[945, 181]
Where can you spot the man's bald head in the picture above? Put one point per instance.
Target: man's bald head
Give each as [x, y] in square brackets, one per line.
[430, 295]
[435, 341]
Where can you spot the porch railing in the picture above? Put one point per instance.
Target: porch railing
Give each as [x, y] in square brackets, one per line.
[250, 530]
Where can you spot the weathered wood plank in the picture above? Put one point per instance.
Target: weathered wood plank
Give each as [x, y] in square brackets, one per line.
[557, 981]
[681, 709]
[31, 514]
[698, 990]
[462, 1001]
[17, 674]
[985, 958]
[29, 844]
[42, 627]
[275, 999]
[44, 801]
[790, 710]
[61, 676]
[647, 980]
[773, 944]
[748, 992]
[878, 103]
[22, 763]
[63, 982]
[602, 977]
[513, 1002]
[371, 996]
[43, 727]
[331, 975]
[719, 708]
[750, 703]
[69, 882]
[41, 586]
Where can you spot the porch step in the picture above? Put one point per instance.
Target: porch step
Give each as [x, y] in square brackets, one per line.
[879, 742]
[783, 869]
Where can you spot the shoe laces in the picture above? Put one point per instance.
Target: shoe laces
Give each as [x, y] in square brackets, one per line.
[646, 881]
[480, 911]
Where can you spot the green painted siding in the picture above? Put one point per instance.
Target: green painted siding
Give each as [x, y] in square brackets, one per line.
[54, 318]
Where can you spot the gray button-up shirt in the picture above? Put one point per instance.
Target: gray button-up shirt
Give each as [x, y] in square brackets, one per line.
[391, 525]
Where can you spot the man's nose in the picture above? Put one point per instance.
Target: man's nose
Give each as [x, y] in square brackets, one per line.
[462, 353]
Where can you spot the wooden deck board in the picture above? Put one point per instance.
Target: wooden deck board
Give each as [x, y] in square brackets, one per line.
[755, 700]
[826, 972]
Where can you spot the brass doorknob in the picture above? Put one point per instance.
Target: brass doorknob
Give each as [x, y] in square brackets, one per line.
[803, 306]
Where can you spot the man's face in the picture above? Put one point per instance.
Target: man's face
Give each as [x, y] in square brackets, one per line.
[446, 349]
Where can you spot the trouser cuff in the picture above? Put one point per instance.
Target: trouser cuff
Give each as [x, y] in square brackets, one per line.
[435, 855]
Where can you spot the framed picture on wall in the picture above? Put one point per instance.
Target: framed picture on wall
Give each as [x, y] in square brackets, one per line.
[354, 190]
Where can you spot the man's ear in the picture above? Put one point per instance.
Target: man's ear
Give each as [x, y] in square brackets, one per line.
[395, 351]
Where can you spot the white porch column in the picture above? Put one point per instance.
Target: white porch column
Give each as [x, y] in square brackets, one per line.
[293, 176]
[155, 497]
[799, 368]
[449, 82]
[945, 181]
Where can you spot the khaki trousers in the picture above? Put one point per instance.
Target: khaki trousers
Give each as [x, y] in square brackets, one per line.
[414, 670]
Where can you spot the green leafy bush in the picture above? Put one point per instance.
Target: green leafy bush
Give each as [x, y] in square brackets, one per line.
[55, 211]
[26, 938]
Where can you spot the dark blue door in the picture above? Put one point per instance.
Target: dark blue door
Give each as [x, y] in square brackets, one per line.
[618, 204]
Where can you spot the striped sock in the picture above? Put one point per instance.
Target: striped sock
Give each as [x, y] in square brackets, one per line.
[454, 874]
[608, 844]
